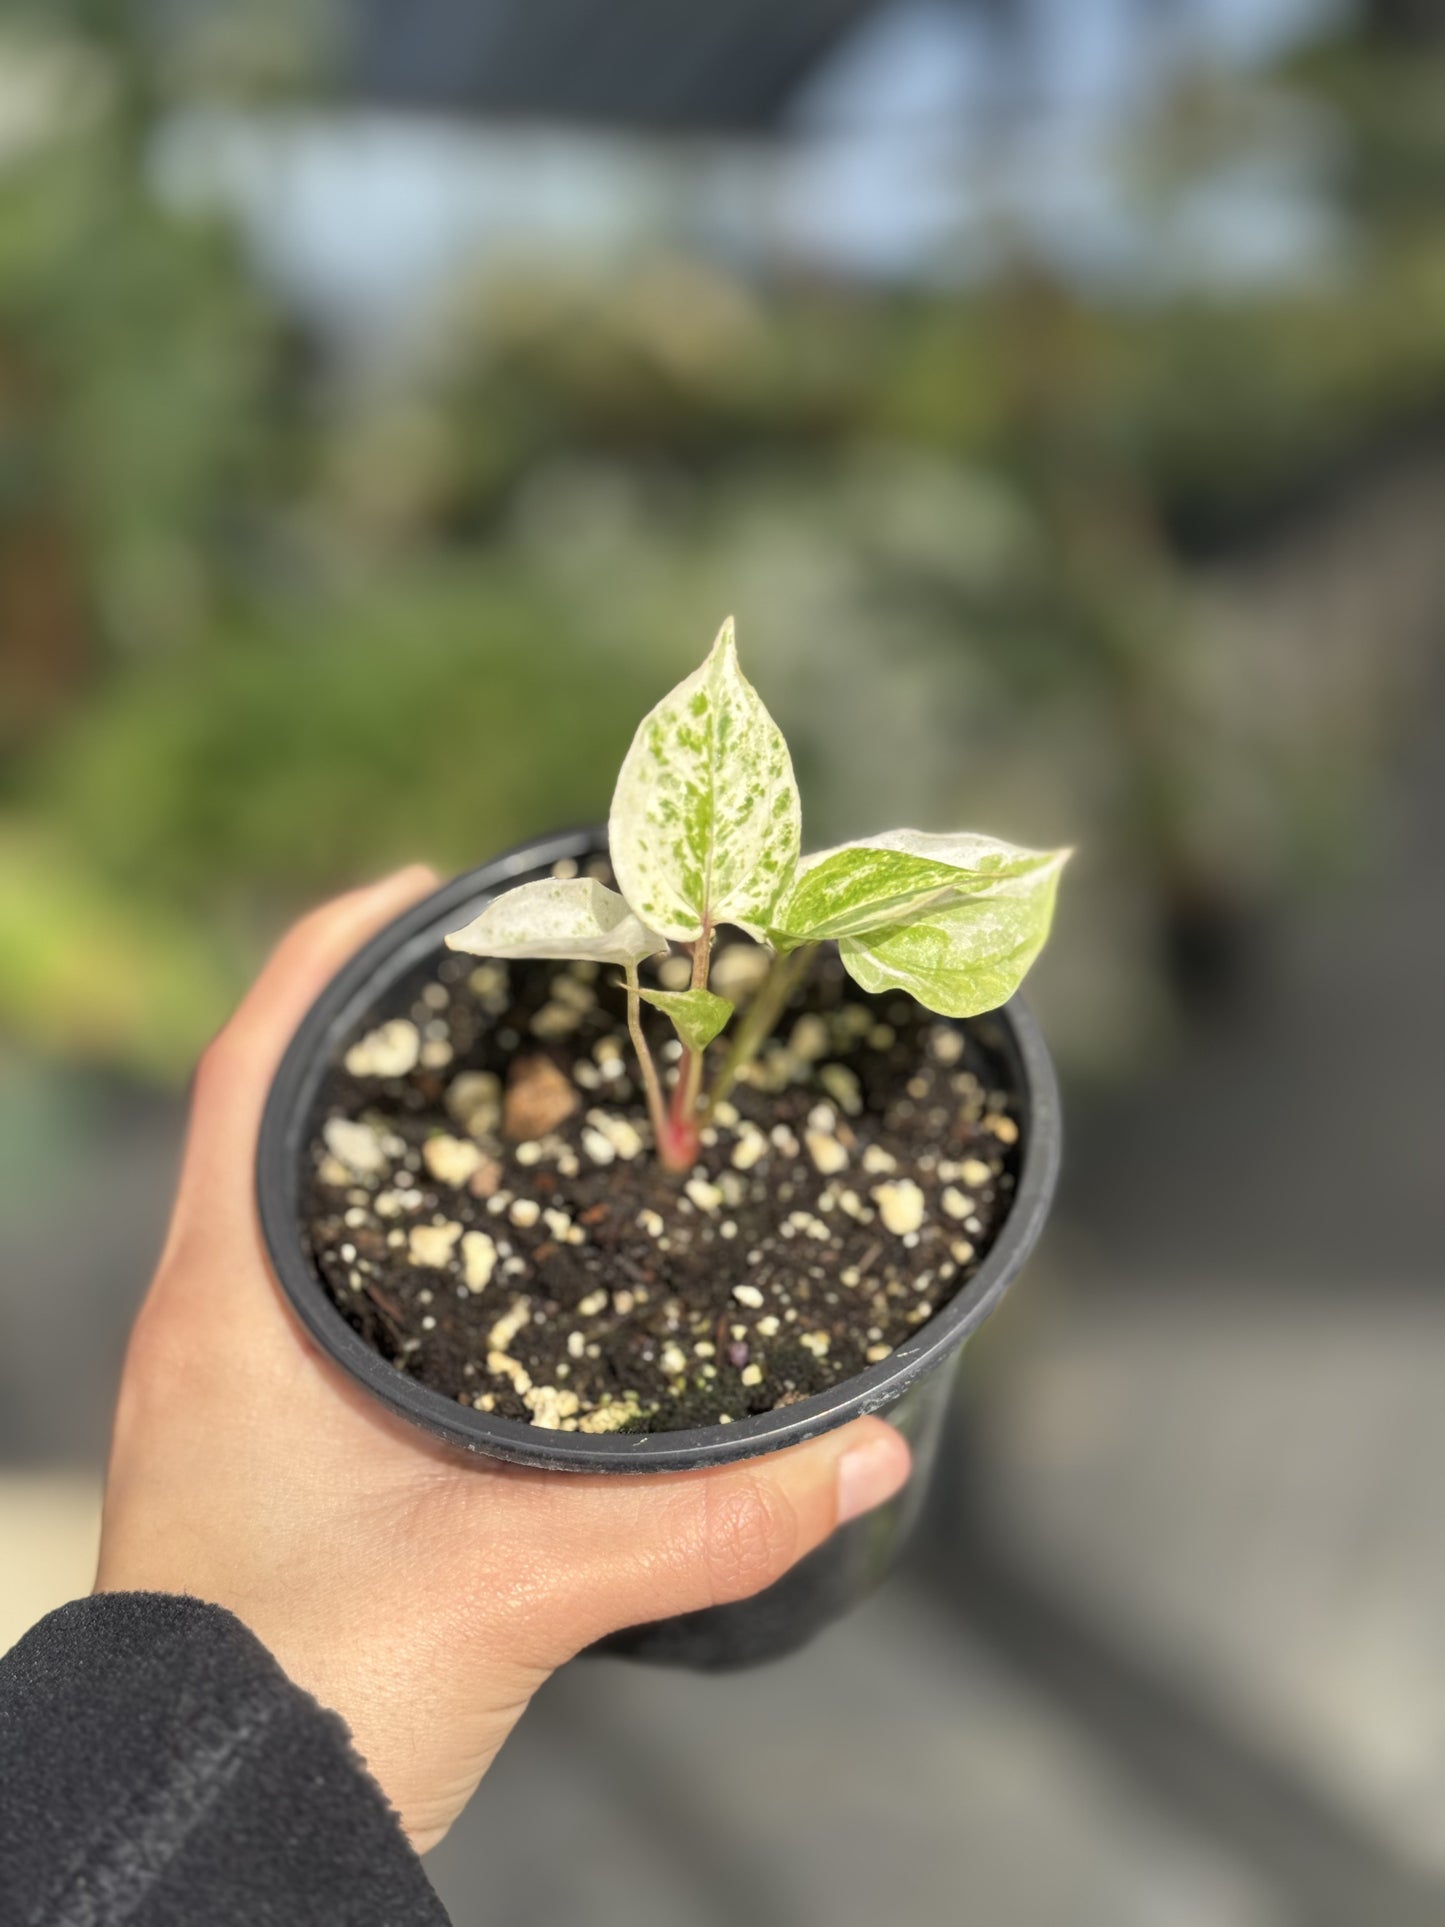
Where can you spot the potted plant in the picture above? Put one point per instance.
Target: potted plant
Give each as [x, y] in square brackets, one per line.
[656, 1148]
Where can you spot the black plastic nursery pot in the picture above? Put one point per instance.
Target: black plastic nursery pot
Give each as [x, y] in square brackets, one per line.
[911, 1387]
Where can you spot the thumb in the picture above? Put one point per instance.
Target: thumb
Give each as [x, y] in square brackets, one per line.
[651, 1547]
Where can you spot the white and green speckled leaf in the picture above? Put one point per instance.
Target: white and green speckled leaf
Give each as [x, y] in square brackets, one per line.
[574, 918]
[697, 1015]
[964, 954]
[889, 877]
[705, 821]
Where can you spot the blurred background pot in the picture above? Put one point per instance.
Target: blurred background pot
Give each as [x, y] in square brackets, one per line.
[911, 1387]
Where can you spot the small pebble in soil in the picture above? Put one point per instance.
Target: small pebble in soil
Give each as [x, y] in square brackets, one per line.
[431, 1244]
[842, 1086]
[451, 1160]
[389, 1051]
[479, 1259]
[827, 1153]
[750, 1149]
[539, 1098]
[355, 1146]
[901, 1206]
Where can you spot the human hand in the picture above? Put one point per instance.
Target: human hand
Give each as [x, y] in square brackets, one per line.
[423, 1594]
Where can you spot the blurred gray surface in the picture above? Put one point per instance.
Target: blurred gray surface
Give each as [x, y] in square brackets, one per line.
[891, 1772]
[1249, 1505]
[1296, 1141]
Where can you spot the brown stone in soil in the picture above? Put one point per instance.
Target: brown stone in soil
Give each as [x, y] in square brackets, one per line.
[632, 1298]
[539, 1098]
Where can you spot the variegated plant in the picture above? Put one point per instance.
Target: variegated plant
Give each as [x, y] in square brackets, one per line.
[705, 829]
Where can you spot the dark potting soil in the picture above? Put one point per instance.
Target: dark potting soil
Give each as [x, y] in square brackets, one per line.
[483, 1204]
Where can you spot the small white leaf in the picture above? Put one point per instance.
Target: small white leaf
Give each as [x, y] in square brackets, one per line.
[705, 821]
[960, 956]
[889, 877]
[574, 918]
[697, 1015]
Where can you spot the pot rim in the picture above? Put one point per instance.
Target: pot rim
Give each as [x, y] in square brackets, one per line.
[344, 1002]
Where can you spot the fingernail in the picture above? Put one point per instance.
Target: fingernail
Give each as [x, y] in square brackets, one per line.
[869, 1474]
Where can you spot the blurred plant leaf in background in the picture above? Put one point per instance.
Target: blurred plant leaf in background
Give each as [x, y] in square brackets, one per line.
[140, 380]
[440, 714]
[90, 972]
[1154, 575]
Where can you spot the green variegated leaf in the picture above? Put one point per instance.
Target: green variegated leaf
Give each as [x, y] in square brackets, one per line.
[697, 1015]
[573, 918]
[963, 955]
[890, 877]
[705, 819]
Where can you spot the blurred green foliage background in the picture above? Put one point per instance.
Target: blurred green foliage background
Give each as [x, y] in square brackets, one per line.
[1059, 560]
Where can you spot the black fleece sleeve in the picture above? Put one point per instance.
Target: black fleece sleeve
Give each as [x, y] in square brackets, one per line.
[158, 1768]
